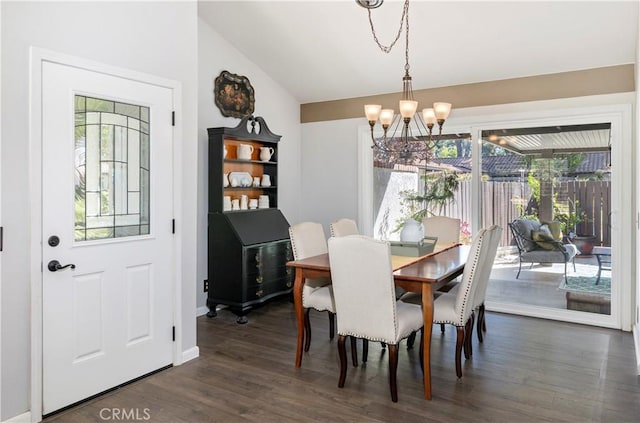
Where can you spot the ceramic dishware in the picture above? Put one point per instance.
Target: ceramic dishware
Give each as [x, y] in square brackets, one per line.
[225, 180]
[263, 202]
[256, 181]
[266, 180]
[235, 204]
[266, 153]
[253, 203]
[244, 202]
[245, 151]
[226, 203]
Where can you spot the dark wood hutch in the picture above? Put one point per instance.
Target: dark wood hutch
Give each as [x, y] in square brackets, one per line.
[247, 248]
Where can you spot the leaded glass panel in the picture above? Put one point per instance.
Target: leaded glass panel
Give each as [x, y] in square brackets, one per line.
[112, 165]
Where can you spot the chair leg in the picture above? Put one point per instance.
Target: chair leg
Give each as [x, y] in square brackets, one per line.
[332, 324]
[342, 352]
[307, 330]
[393, 368]
[354, 351]
[574, 264]
[459, 342]
[365, 350]
[480, 322]
[519, 269]
[410, 340]
[468, 330]
[442, 327]
[566, 281]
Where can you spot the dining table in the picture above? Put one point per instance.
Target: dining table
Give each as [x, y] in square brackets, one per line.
[423, 275]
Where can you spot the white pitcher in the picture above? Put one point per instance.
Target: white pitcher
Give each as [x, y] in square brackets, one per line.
[266, 180]
[266, 153]
[245, 151]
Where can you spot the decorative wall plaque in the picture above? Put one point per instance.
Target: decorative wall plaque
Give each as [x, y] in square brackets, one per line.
[234, 95]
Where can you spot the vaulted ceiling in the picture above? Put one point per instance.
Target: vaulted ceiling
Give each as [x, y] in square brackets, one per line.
[324, 50]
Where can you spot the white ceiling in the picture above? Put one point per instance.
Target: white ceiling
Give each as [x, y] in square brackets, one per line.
[323, 50]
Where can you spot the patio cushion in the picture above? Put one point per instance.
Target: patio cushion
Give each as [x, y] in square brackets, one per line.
[549, 256]
[540, 236]
[556, 229]
[526, 227]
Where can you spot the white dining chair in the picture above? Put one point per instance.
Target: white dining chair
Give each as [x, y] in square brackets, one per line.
[365, 300]
[494, 234]
[343, 227]
[447, 229]
[308, 240]
[456, 309]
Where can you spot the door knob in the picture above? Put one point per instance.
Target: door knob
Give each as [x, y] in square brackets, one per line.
[54, 266]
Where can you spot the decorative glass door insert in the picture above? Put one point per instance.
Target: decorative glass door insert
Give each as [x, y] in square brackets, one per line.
[111, 169]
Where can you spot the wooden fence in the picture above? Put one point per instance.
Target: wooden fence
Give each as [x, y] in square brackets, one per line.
[503, 202]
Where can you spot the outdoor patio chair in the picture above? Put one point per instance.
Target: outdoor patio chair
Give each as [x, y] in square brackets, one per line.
[535, 246]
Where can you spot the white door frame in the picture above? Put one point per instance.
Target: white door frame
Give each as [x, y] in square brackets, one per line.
[37, 57]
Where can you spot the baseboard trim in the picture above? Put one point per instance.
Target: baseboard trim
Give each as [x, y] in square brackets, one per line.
[201, 311]
[190, 354]
[21, 418]
[636, 342]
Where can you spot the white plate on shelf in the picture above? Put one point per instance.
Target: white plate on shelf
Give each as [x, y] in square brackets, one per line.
[244, 179]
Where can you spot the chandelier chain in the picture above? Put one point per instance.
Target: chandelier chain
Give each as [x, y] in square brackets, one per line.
[403, 19]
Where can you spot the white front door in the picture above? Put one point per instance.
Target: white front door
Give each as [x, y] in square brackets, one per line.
[107, 220]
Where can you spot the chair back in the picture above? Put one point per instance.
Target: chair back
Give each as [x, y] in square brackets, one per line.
[363, 288]
[473, 271]
[343, 227]
[494, 234]
[307, 240]
[447, 229]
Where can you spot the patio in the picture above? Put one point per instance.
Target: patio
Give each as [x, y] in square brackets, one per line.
[543, 285]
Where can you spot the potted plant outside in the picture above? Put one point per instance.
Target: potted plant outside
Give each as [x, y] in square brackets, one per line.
[570, 218]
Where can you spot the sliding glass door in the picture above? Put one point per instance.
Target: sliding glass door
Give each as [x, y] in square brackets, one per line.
[557, 179]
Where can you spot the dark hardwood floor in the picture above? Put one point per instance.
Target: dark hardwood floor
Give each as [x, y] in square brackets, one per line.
[527, 370]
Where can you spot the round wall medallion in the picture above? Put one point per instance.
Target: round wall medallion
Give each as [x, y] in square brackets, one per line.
[234, 95]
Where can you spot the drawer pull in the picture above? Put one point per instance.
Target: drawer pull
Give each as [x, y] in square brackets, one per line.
[259, 279]
[289, 284]
[257, 257]
[289, 270]
[259, 293]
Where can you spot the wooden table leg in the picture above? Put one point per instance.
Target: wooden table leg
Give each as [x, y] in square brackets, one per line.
[297, 303]
[427, 313]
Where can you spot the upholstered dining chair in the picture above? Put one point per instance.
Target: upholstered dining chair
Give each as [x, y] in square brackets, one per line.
[365, 300]
[447, 229]
[308, 240]
[456, 309]
[343, 227]
[494, 234]
[346, 227]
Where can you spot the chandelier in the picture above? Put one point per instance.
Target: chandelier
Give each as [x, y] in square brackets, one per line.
[411, 135]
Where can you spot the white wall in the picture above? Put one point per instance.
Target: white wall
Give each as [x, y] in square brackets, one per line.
[279, 109]
[158, 38]
[330, 171]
